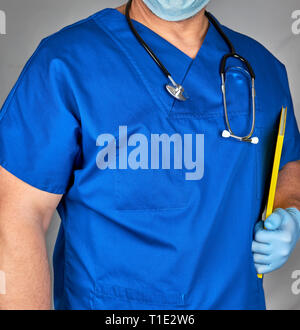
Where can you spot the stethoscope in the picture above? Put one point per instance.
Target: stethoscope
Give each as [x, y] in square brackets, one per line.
[177, 90]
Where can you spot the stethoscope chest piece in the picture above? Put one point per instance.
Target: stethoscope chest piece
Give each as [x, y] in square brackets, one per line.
[176, 91]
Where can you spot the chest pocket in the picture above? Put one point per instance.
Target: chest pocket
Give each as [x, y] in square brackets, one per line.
[152, 181]
[150, 190]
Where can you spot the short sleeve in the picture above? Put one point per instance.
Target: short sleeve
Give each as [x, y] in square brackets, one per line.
[39, 129]
[291, 145]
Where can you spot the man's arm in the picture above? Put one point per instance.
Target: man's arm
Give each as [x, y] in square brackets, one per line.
[25, 214]
[288, 187]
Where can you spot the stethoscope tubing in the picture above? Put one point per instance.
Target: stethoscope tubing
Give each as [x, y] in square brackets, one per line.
[177, 90]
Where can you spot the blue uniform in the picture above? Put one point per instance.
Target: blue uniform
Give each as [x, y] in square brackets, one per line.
[147, 238]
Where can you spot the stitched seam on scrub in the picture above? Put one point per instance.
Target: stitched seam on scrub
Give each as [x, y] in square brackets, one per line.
[54, 189]
[20, 79]
[125, 294]
[133, 64]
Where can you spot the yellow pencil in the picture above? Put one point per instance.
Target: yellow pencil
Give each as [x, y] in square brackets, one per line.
[276, 164]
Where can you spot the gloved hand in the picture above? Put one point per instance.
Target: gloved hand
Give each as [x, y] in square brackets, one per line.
[273, 245]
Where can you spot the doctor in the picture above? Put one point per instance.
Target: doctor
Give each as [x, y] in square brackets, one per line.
[90, 129]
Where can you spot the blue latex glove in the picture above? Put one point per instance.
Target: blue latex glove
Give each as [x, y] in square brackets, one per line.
[273, 245]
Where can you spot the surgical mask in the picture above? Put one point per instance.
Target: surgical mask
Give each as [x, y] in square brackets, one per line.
[175, 10]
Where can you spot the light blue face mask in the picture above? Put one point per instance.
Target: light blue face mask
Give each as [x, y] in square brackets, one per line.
[175, 10]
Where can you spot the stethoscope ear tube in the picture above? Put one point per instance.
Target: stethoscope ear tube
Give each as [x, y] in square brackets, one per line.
[226, 134]
[229, 133]
[142, 42]
[176, 90]
[239, 57]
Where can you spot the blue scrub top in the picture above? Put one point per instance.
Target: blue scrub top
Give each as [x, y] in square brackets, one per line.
[137, 238]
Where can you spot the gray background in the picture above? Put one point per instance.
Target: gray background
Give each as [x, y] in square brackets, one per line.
[268, 21]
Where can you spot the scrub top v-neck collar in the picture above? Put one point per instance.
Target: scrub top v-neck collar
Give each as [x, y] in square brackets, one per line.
[177, 62]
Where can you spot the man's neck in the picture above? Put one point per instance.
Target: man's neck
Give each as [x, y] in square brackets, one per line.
[187, 35]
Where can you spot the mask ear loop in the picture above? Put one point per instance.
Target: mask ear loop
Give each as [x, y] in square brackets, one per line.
[229, 133]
